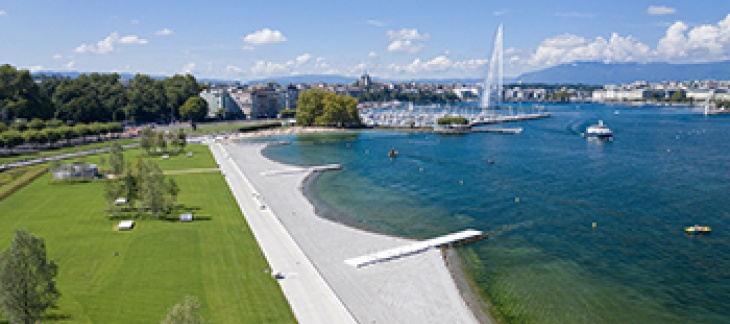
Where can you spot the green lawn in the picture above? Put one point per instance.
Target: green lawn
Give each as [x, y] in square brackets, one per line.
[215, 259]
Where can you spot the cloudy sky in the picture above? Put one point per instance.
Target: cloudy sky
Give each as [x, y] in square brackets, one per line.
[243, 40]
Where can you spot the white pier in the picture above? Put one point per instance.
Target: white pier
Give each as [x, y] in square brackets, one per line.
[318, 168]
[418, 247]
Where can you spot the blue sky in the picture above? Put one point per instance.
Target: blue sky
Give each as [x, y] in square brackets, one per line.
[243, 40]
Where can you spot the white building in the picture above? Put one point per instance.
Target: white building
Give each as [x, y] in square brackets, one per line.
[221, 104]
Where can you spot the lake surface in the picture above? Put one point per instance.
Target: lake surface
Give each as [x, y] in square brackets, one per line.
[667, 168]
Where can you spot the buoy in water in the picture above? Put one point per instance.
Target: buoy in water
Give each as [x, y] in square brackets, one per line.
[490, 162]
[461, 182]
[420, 169]
[594, 225]
[517, 199]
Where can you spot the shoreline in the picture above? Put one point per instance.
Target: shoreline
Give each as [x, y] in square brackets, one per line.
[397, 291]
[478, 305]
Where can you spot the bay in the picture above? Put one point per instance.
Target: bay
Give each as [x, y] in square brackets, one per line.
[544, 262]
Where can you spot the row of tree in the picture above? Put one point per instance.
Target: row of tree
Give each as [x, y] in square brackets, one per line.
[51, 135]
[317, 107]
[93, 97]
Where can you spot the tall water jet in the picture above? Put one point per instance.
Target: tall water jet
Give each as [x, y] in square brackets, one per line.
[495, 76]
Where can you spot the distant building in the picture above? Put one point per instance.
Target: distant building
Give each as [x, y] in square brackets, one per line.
[221, 104]
[77, 170]
[365, 81]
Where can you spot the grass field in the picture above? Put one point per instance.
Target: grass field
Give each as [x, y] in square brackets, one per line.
[159, 262]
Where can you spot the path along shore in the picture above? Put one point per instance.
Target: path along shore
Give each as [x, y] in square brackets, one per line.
[309, 252]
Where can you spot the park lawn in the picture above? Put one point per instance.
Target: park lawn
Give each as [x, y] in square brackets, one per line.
[215, 258]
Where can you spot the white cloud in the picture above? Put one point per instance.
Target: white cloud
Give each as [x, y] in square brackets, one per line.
[406, 40]
[132, 39]
[406, 34]
[439, 63]
[701, 43]
[57, 56]
[70, 65]
[500, 13]
[107, 45]
[232, 69]
[321, 63]
[571, 48]
[372, 54]
[660, 10]
[375, 23]
[164, 32]
[188, 68]
[405, 46]
[262, 67]
[3, 12]
[134, 22]
[35, 68]
[264, 36]
[304, 58]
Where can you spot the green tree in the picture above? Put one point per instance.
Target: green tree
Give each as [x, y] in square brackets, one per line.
[178, 89]
[27, 286]
[185, 312]
[146, 139]
[36, 124]
[678, 96]
[195, 109]
[21, 97]
[317, 107]
[145, 99]
[116, 159]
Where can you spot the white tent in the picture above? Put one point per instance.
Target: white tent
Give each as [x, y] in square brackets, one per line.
[125, 225]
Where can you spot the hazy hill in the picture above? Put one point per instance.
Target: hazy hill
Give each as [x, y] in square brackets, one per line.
[602, 73]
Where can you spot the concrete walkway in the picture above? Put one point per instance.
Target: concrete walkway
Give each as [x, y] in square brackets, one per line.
[413, 289]
[311, 298]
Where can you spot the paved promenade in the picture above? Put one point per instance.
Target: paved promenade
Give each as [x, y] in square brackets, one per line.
[310, 251]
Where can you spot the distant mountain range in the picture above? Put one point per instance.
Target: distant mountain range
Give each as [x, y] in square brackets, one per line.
[617, 73]
[573, 73]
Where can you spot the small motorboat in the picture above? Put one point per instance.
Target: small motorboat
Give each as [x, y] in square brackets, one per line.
[393, 153]
[697, 229]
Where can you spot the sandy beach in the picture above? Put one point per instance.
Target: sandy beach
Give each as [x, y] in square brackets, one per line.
[319, 286]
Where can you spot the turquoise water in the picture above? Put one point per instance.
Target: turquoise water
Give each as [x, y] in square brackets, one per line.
[666, 169]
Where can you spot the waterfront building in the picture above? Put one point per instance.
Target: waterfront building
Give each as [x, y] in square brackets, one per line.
[221, 104]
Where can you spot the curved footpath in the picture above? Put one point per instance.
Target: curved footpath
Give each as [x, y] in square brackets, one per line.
[309, 251]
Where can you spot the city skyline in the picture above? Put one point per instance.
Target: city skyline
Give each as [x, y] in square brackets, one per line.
[254, 40]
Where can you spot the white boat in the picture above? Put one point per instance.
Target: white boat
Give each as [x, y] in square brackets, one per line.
[599, 131]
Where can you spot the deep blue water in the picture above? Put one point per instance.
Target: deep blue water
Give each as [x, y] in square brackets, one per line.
[544, 262]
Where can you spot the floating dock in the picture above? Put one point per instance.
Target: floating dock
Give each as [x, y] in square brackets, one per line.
[462, 237]
[516, 130]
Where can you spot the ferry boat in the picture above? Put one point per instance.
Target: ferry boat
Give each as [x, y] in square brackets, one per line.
[697, 229]
[599, 131]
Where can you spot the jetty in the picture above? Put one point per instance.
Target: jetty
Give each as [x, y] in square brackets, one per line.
[462, 237]
[319, 168]
[501, 130]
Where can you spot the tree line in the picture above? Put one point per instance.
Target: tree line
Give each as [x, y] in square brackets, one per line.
[94, 97]
[50, 133]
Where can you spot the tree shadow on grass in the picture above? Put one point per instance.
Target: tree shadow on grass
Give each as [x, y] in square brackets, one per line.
[57, 317]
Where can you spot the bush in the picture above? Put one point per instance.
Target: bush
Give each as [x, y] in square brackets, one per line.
[452, 120]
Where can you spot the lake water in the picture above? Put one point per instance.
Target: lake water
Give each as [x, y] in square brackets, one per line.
[667, 168]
